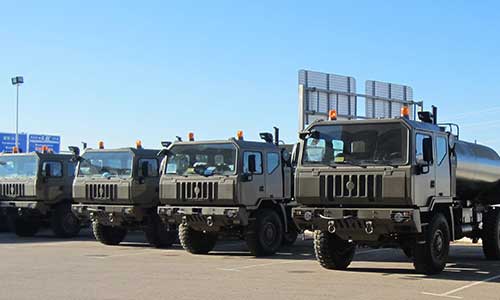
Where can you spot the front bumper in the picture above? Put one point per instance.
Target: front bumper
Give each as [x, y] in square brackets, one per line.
[359, 224]
[20, 207]
[113, 215]
[204, 218]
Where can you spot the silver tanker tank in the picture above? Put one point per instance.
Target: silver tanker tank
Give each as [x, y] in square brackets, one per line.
[477, 173]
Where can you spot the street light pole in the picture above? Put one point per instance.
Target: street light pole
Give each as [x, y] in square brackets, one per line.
[17, 81]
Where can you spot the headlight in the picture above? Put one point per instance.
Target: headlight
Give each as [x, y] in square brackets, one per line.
[308, 216]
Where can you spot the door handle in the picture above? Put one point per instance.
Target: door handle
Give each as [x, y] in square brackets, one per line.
[433, 184]
[261, 188]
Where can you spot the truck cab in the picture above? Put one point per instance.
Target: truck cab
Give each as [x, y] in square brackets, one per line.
[35, 191]
[394, 183]
[117, 190]
[229, 187]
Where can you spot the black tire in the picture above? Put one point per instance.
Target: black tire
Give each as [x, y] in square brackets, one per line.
[196, 242]
[63, 222]
[108, 235]
[430, 257]
[290, 236]
[24, 227]
[265, 236]
[159, 234]
[331, 251]
[491, 235]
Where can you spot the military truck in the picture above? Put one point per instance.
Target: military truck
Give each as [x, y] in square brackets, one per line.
[231, 188]
[395, 183]
[35, 191]
[117, 190]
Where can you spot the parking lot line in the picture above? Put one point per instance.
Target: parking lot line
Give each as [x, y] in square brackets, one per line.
[449, 293]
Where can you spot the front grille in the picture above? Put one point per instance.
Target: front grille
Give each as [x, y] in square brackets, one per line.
[197, 191]
[12, 189]
[350, 186]
[101, 191]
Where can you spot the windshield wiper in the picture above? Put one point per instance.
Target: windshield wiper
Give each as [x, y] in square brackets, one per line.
[353, 163]
[383, 162]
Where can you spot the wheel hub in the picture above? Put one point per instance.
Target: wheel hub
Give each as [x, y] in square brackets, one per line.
[269, 233]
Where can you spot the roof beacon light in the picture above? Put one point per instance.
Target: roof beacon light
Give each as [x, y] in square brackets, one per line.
[15, 149]
[332, 115]
[101, 145]
[191, 136]
[45, 149]
[239, 134]
[138, 144]
[405, 112]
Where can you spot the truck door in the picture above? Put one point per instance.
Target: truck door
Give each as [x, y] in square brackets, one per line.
[443, 178]
[274, 180]
[253, 187]
[52, 174]
[424, 183]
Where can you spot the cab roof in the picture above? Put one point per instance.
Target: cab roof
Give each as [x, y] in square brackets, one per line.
[410, 123]
[135, 151]
[241, 144]
[39, 154]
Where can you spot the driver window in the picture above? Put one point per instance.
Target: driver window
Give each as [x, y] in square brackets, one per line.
[52, 169]
[442, 149]
[315, 150]
[258, 162]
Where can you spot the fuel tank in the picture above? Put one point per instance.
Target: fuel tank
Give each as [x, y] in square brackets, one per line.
[477, 173]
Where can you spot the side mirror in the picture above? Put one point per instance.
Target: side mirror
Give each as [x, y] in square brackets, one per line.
[427, 147]
[145, 169]
[46, 170]
[76, 153]
[251, 164]
[309, 134]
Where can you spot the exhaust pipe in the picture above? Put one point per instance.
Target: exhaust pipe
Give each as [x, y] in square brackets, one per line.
[331, 226]
[276, 136]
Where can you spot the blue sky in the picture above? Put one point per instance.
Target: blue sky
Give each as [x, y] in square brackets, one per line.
[126, 70]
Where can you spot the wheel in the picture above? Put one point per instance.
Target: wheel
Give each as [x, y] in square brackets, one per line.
[430, 257]
[265, 236]
[63, 222]
[108, 235]
[290, 237]
[491, 235]
[331, 251]
[24, 227]
[196, 242]
[159, 234]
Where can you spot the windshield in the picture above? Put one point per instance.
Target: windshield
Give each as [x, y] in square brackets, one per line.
[202, 159]
[106, 164]
[18, 166]
[358, 144]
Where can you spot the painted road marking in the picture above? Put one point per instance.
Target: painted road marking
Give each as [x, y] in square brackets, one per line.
[449, 294]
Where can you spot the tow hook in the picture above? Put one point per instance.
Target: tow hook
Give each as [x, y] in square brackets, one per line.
[20, 212]
[184, 220]
[369, 227]
[331, 226]
[210, 221]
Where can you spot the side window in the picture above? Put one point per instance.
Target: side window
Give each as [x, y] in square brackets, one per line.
[419, 145]
[71, 168]
[258, 161]
[442, 149]
[273, 161]
[148, 167]
[52, 169]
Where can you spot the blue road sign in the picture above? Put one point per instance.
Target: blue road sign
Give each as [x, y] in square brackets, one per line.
[37, 141]
[8, 141]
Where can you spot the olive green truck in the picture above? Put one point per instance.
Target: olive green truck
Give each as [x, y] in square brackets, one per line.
[35, 192]
[395, 183]
[226, 188]
[117, 190]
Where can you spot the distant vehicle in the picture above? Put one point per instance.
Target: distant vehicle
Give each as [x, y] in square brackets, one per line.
[117, 190]
[35, 191]
[229, 187]
[395, 183]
